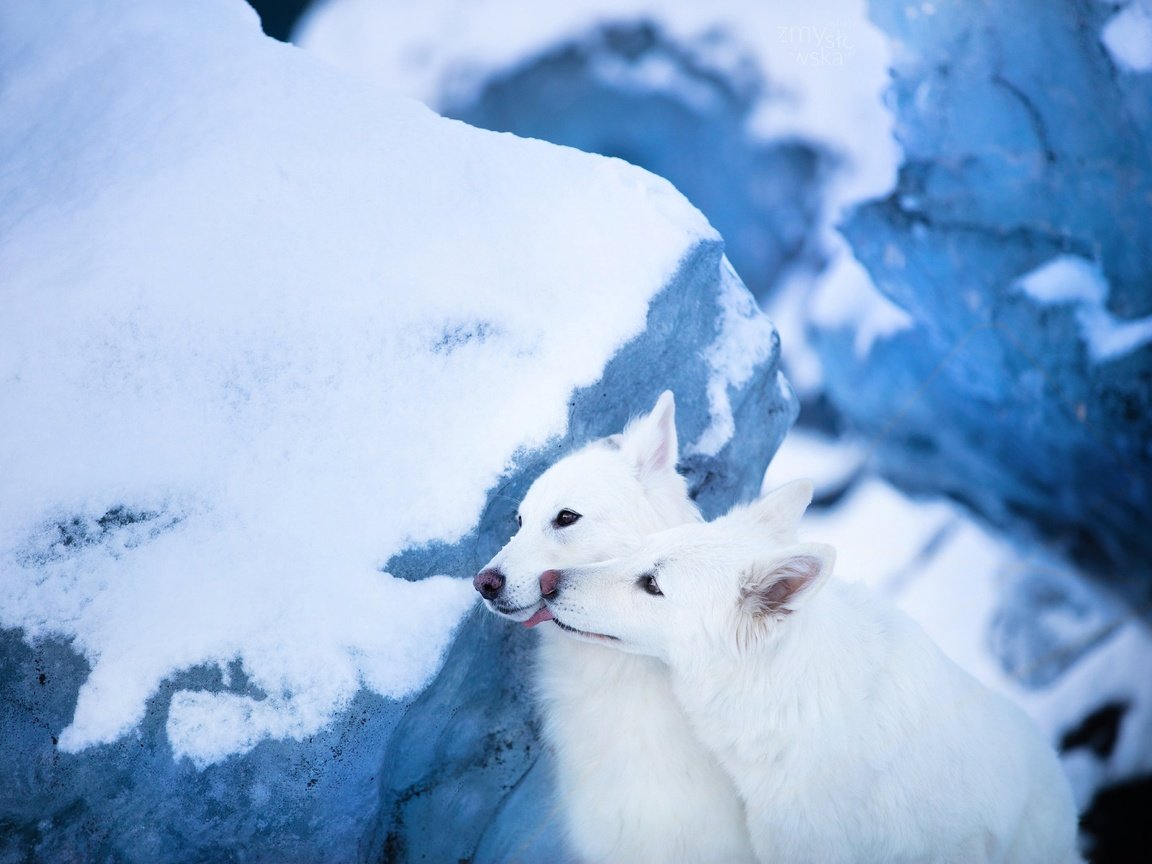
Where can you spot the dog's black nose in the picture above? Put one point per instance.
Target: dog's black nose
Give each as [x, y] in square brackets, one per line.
[489, 583]
[549, 583]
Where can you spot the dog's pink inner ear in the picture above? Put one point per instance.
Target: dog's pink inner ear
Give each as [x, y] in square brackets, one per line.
[774, 592]
[658, 458]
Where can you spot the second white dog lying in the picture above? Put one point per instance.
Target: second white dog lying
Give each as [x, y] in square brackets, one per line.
[849, 734]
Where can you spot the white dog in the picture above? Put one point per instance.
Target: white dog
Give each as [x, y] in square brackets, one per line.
[635, 785]
[849, 734]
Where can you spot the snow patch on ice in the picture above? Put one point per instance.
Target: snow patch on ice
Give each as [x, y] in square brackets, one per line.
[1065, 279]
[846, 297]
[841, 297]
[1128, 36]
[1075, 280]
[829, 463]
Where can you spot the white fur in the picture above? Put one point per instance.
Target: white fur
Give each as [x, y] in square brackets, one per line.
[849, 734]
[634, 783]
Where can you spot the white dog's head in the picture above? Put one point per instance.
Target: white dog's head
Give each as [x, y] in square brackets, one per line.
[689, 589]
[597, 503]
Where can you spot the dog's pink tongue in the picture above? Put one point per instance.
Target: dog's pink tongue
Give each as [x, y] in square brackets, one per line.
[545, 614]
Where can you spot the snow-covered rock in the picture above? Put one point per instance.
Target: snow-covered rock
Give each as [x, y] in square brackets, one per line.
[278, 356]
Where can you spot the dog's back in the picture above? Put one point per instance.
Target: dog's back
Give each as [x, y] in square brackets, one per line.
[872, 745]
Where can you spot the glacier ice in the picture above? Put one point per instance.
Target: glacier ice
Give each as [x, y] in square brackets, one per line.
[1017, 240]
[1068, 279]
[278, 358]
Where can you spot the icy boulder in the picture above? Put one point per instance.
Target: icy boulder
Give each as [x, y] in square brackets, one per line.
[277, 359]
[766, 116]
[1019, 246]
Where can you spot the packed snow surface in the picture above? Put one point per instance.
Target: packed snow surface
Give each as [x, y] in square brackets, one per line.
[263, 329]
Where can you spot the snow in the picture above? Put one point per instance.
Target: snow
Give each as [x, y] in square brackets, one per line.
[846, 297]
[881, 534]
[1109, 339]
[1128, 36]
[830, 463]
[1064, 279]
[263, 330]
[1070, 279]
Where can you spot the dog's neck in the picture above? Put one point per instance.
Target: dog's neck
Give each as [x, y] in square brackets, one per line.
[752, 697]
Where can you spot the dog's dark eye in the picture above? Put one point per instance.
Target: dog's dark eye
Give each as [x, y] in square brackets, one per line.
[565, 518]
[519, 521]
[648, 583]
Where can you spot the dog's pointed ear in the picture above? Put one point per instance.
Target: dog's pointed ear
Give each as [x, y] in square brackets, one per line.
[778, 585]
[650, 441]
[780, 510]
